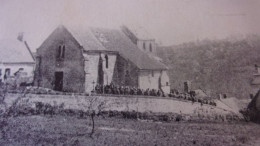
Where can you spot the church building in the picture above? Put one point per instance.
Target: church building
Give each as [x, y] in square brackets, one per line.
[76, 60]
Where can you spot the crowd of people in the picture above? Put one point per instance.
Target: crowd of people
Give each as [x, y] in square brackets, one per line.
[126, 90]
[191, 96]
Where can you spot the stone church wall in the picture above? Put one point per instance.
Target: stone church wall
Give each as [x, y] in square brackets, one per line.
[126, 73]
[165, 82]
[154, 79]
[149, 79]
[91, 69]
[72, 65]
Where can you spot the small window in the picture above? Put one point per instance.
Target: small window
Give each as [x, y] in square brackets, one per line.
[152, 74]
[151, 48]
[106, 57]
[58, 52]
[167, 84]
[144, 45]
[61, 52]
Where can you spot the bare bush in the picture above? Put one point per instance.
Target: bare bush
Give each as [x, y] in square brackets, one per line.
[95, 106]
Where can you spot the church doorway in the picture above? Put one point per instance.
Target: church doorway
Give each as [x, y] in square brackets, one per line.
[58, 81]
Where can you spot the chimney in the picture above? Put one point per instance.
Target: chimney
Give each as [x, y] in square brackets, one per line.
[20, 36]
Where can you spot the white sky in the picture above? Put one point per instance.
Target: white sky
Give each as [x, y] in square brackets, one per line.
[169, 21]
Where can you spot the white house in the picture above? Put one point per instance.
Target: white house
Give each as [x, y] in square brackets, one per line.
[15, 56]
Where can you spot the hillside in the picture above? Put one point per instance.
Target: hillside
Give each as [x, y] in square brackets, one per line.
[215, 66]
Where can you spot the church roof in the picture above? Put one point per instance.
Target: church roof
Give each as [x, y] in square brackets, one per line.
[14, 51]
[116, 40]
[97, 39]
[86, 39]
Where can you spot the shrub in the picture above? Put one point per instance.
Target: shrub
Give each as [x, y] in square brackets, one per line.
[178, 118]
[164, 118]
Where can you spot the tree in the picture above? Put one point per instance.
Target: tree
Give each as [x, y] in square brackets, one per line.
[95, 106]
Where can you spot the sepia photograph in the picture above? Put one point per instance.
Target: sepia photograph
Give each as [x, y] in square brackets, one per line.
[130, 72]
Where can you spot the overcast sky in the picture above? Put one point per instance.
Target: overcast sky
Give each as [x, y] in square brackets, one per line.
[169, 21]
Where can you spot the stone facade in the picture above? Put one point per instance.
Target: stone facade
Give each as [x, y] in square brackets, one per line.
[165, 84]
[71, 66]
[126, 73]
[91, 68]
[154, 80]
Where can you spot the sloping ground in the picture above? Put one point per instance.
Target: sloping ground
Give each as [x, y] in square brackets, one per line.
[216, 66]
[235, 104]
[130, 103]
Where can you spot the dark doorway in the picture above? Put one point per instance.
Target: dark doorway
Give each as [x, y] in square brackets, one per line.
[58, 81]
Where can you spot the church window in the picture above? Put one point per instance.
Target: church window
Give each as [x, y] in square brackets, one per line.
[151, 48]
[144, 45]
[167, 84]
[61, 52]
[152, 74]
[106, 57]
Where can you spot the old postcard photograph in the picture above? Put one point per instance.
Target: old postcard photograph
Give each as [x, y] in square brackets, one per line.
[130, 72]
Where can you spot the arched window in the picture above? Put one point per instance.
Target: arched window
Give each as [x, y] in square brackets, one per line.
[144, 45]
[151, 48]
[106, 57]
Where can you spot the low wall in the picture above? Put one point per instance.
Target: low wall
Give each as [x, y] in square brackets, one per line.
[128, 103]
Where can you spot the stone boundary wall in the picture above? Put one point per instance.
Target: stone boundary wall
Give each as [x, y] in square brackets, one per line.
[129, 103]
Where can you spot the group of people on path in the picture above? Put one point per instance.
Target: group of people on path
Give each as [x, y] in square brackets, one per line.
[126, 90]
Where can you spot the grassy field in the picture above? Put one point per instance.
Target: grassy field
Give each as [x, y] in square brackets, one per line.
[71, 130]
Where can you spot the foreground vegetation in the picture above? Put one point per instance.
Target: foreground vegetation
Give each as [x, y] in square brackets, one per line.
[27, 123]
[74, 130]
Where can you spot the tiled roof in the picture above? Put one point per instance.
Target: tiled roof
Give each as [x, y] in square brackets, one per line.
[115, 40]
[92, 39]
[14, 51]
[86, 39]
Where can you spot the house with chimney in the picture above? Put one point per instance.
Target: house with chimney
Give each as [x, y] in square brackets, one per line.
[15, 58]
[76, 60]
